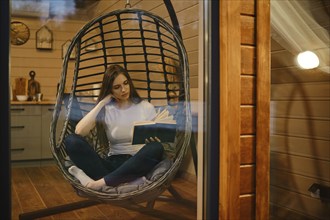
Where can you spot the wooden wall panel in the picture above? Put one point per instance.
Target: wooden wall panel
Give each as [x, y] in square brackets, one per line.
[248, 120]
[247, 179]
[300, 132]
[248, 31]
[262, 105]
[307, 128]
[248, 61]
[313, 109]
[301, 165]
[184, 4]
[247, 116]
[191, 44]
[248, 7]
[312, 148]
[188, 14]
[193, 58]
[247, 207]
[253, 85]
[248, 90]
[44, 72]
[48, 64]
[33, 62]
[230, 69]
[193, 71]
[294, 74]
[189, 30]
[285, 213]
[247, 151]
[300, 146]
[282, 59]
[194, 84]
[103, 6]
[301, 91]
[303, 204]
[293, 182]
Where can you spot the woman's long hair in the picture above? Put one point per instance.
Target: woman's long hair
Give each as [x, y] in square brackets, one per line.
[111, 73]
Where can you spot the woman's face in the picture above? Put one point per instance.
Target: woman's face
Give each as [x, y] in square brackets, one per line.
[121, 88]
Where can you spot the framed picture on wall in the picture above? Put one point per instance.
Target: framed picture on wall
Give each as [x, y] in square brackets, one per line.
[90, 45]
[44, 38]
[65, 48]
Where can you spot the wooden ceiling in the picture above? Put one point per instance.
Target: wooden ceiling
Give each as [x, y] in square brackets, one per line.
[284, 68]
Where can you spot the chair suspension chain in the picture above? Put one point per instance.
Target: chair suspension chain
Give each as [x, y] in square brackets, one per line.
[128, 4]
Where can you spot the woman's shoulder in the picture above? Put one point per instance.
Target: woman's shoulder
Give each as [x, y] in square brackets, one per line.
[148, 109]
[146, 104]
[110, 107]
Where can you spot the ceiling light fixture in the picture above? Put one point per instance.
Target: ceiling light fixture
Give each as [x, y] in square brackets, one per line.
[308, 60]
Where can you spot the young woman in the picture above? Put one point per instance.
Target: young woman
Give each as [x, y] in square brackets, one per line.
[118, 107]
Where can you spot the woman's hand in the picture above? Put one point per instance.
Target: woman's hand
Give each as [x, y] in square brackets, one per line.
[152, 139]
[106, 99]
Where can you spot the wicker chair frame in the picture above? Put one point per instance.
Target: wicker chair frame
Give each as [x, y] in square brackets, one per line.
[153, 53]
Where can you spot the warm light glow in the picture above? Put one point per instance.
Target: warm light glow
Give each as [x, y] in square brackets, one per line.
[308, 60]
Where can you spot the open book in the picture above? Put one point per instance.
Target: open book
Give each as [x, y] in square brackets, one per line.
[163, 126]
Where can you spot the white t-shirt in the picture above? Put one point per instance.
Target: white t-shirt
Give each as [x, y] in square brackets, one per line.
[119, 126]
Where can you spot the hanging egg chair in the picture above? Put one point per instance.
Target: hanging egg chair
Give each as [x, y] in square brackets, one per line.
[154, 55]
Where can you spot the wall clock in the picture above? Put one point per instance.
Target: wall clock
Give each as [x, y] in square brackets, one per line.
[19, 33]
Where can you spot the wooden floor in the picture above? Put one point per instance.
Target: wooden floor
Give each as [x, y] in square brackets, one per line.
[35, 188]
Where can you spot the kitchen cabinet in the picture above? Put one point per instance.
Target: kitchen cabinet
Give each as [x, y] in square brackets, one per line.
[30, 130]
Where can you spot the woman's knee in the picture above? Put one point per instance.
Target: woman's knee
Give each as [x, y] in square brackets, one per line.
[155, 148]
[73, 142]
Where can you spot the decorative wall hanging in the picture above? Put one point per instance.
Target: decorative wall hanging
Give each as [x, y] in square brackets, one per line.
[19, 33]
[44, 38]
[91, 45]
[65, 48]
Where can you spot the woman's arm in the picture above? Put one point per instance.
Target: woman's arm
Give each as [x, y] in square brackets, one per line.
[87, 123]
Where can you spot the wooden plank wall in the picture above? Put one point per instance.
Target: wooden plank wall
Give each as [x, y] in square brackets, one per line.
[300, 139]
[300, 130]
[248, 110]
[300, 152]
[244, 137]
[48, 63]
